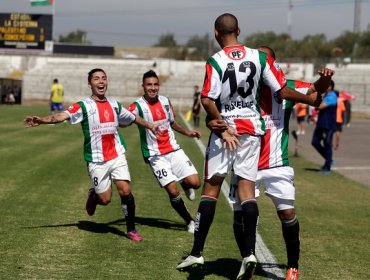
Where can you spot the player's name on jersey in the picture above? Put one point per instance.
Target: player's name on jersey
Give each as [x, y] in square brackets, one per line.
[237, 105]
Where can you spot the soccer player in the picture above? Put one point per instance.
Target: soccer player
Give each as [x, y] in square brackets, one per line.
[168, 161]
[104, 148]
[273, 167]
[56, 97]
[231, 92]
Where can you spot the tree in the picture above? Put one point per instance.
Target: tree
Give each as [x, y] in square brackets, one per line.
[166, 40]
[77, 36]
[203, 47]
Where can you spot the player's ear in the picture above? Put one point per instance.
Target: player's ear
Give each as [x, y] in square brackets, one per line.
[238, 32]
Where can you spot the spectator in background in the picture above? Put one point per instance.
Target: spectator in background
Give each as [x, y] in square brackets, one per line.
[56, 97]
[301, 112]
[341, 109]
[9, 98]
[322, 138]
[196, 106]
[17, 94]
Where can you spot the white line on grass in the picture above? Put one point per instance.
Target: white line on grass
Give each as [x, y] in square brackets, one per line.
[265, 257]
[351, 168]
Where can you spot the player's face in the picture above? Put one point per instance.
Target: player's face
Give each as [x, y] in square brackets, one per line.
[99, 84]
[151, 88]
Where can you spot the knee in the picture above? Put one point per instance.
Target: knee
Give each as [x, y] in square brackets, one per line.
[192, 181]
[286, 214]
[104, 200]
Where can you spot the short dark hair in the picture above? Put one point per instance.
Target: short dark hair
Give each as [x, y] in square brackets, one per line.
[332, 84]
[268, 50]
[92, 71]
[55, 81]
[227, 24]
[149, 74]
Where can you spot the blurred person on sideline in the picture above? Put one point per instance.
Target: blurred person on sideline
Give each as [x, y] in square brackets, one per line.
[341, 110]
[231, 98]
[196, 106]
[273, 167]
[167, 160]
[56, 97]
[301, 113]
[322, 138]
[104, 147]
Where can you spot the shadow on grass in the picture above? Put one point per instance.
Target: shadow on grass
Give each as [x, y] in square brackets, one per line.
[229, 269]
[312, 169]
[111, 226]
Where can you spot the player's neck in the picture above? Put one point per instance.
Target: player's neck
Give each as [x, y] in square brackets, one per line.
[98, 98]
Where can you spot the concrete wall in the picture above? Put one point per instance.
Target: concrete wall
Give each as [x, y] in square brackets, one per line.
[37, 73]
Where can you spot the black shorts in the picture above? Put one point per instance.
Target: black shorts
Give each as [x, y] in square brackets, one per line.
[338, 127]
[300, 119]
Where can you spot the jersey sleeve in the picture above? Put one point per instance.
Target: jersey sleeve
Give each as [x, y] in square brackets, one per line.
[273, 75]
[302, 87]
[75, 113]
[133, 109]
[212, 81]
[125, 117]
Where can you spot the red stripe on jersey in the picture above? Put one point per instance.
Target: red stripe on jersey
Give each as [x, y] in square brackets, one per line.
[109, 147]
[132, 107]
[105, 112]
[264, 161]
[74, 108]
[158, 114]
[278, 73]
[106, 115]
[207, 81]
[266, 101]
[300, 84]
[244, 126]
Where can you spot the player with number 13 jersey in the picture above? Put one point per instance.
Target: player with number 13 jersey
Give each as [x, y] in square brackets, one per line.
[234, 77]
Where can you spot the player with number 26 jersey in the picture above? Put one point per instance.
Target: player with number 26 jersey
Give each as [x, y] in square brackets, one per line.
[234, 77]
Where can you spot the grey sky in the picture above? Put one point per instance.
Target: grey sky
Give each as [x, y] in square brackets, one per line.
[141, 22]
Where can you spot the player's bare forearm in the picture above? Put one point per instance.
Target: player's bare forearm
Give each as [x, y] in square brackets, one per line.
[211, 109]
[31, 121]
[180, 129]
[151, 126]
[312, 99]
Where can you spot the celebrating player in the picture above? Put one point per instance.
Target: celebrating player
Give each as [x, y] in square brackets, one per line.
[168, 161]
[231, 93]
[104, 149]
[273, 167]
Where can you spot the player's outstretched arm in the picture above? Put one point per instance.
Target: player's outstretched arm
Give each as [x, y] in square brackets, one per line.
[313, 99]
[180, 129]
[151, 126]
[31, 121]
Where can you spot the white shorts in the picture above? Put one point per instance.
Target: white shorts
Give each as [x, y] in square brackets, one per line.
[171, 167]
[243, 160]
[102, 173]
[278, 183]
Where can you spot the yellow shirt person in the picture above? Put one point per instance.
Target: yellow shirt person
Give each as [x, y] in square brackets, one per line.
[56, 96]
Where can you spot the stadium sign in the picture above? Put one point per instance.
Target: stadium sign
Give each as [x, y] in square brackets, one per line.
[25, 31]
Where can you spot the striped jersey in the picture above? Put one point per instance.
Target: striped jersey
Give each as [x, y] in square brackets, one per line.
[233, 79]
[276, 114]
[160, 113]
[100, 121]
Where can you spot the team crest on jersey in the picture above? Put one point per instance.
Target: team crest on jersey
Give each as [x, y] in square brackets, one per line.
[167, 108]
[116, 110]
[277, 66]
[158, 113]
[236, 53]
[106, 115]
